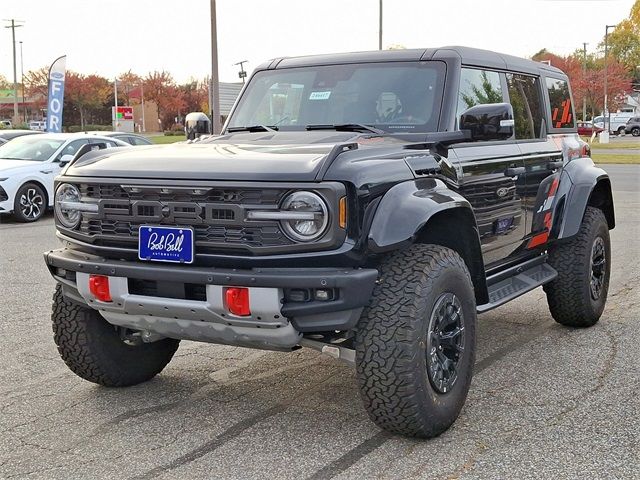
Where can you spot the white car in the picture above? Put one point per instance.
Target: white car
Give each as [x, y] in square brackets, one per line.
[37, 125]
[28, 165]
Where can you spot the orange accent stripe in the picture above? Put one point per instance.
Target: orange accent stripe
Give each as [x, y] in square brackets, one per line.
[554, 187]
[547, 220]
[539, 239]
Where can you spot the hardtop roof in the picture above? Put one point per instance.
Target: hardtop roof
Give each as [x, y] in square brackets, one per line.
[468, 56]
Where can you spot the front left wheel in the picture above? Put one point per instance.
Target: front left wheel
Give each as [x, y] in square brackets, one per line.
[101, 353]
[415, 343]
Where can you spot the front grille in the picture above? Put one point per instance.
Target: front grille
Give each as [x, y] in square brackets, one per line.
[3, 195]
[215, 214]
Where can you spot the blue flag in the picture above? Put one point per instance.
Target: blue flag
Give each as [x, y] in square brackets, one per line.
[55, 102]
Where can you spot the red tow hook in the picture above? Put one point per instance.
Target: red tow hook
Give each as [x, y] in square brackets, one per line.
[99, 287]
[236, 300]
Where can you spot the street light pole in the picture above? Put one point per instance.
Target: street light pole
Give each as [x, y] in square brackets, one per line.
[24, 103]
[606, 91]
[215, 82]
[380, 26]
[242, 74]
[115, 98]
[13, 27]
[584, 79]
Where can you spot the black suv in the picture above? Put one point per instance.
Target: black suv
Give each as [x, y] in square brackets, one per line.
[367, 205]
[633, 127]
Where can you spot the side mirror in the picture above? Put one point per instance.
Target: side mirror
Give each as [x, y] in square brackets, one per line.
[491, 121]
[65, 159]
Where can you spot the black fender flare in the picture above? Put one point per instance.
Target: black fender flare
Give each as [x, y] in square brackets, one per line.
[406, 208]
[580, 181]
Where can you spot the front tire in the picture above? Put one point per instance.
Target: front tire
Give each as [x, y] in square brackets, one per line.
[578, 294]
[635, 131]
[415, 343]
[30, 203]
[620, 131]
[94, 350]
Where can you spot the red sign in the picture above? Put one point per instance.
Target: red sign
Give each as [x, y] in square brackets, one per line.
[124, 113]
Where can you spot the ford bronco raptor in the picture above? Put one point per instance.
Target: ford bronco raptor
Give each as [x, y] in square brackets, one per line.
[367, 205]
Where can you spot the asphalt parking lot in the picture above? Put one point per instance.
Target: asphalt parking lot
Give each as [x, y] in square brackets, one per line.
[546, 401]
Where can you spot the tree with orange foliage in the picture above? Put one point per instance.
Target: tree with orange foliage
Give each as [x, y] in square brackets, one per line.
[85, 93]
[159, 87]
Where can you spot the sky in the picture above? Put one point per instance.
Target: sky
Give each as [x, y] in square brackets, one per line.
[109, 37]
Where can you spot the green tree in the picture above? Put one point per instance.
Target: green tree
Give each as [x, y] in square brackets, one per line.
[624, 41]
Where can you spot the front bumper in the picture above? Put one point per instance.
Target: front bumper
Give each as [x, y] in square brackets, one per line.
[275, 322]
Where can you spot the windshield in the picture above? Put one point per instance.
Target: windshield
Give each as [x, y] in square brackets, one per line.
[30, 147]
[395, 97]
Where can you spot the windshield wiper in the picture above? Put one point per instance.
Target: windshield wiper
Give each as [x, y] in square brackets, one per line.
[347, 127]
[252, 128]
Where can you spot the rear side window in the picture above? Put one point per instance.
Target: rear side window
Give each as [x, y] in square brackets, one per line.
[524, 95]
[478, 87]
[560, 100]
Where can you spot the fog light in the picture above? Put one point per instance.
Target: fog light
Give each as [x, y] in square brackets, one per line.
[236, 300]
[323, 295]
[99, 287]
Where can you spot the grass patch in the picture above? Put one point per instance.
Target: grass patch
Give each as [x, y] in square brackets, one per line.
[612, 145]
[615, 158]
[163, 139]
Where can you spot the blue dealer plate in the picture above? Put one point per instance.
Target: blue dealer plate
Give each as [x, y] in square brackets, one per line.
[165, 244]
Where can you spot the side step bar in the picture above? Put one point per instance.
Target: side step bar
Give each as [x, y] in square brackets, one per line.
[507, 285]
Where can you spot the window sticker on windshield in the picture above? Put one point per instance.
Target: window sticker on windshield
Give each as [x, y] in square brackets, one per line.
[319, 95]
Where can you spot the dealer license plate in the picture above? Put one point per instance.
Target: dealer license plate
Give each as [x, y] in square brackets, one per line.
[165, 244]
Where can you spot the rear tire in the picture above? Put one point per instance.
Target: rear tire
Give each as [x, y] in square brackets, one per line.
[578, 295]
[620, 131]
[93, 349]
[422, 315]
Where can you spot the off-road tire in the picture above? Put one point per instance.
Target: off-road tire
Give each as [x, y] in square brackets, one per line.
[391, 342]
[569, 295]
[635, 131]
[93, 350]
[32, 193]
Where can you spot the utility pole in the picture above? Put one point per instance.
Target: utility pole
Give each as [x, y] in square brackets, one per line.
[24, 104]
[606, 91]
[215, 82]
[380, 26]
[13, 27]
[584, 76]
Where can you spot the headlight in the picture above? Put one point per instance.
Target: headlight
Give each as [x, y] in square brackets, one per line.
[66, 203]
[310, 226]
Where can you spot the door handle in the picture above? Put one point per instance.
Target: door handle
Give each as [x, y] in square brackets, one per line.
[554, 165]
[513, 171]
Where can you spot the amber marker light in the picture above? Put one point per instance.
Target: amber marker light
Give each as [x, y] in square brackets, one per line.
[342, 216]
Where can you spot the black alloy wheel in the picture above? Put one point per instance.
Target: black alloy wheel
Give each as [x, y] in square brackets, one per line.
[445, 342]
[598, 267]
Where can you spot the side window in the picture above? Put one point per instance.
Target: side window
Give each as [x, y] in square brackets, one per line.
[71, 148]
[560, 100]
[524, 95]
[478, 87]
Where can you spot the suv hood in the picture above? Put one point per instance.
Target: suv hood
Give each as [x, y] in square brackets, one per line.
[264, 156]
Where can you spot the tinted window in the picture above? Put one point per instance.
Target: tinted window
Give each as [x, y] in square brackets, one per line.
[560, 100]
[399, 97]
[72, 148]
[478, 87]
[524, 95]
